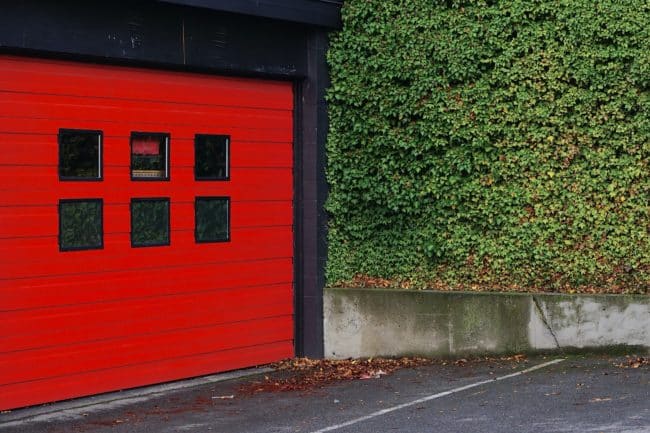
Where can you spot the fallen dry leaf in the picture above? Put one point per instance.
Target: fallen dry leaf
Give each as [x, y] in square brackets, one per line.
[634, 361]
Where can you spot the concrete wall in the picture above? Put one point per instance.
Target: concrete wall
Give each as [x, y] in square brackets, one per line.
[374, 322]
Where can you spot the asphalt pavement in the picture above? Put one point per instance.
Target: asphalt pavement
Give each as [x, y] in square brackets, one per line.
[543, 394]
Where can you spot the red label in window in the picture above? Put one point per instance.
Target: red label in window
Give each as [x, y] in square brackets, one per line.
[146, 146]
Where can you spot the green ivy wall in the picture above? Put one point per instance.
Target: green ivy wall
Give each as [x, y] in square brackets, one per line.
[491, 144]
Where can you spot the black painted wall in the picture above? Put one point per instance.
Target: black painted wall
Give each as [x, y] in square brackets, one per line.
[315, 12]
[171, 36]
[157, 33]
[311, 193]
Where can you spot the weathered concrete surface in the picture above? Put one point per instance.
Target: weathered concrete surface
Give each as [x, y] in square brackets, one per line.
[374, 322]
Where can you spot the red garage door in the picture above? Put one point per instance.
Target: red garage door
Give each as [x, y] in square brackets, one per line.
[145, 227]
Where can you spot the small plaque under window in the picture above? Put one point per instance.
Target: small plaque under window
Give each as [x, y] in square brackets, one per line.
[80, 224]
[149, 156]
[211, 157]
[212, 219]
[149, 222]
[80, 154]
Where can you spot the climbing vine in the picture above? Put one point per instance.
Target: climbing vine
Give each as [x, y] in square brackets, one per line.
[491, 144]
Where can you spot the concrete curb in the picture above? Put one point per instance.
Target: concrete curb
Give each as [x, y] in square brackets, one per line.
[383, 322]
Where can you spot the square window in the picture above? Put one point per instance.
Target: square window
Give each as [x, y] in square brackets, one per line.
[212, 219]
[80, 154]
[80, 224]
[211, 157]
[149, 222]
[149, 156]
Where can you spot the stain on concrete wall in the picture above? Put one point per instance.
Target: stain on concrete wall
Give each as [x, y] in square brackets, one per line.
[380, 322]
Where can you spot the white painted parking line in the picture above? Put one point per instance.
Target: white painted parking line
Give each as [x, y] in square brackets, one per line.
[435, 396]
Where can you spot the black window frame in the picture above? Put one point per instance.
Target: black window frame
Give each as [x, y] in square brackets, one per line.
[228, 220]
[169, 223]
[211, 178]
[100, 150]
[167, 137]
[101, 224]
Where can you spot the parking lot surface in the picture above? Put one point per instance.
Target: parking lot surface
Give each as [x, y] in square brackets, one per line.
[549, 394]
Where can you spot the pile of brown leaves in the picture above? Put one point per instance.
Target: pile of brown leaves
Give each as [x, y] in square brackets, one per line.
[308, 373]
[512, 358]
[634, 362]
[301, 374]
[361, 281]
[369, 281]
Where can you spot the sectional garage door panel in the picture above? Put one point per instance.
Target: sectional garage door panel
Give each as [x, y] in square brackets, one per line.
[141, 270]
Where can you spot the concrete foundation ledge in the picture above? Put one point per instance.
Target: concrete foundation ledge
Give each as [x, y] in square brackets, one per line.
[382, 322]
